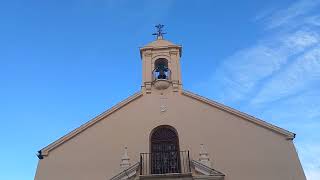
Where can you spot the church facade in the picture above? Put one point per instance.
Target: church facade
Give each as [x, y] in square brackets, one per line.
[165, 132]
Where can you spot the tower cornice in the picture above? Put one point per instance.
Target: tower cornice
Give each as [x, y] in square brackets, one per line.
[160, 45]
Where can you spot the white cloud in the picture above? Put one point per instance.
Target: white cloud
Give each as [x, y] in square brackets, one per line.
[301, 39]
[301, 74]
[299, 112]
[279, 77]
[313, 174]
[313, 20]
[311, 160]
[290, 15]
[244, 72]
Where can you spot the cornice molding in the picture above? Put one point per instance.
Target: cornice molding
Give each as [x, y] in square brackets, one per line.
[152, 48]
[289, 135]
[127, 173]
[205, 170]
[45, 151]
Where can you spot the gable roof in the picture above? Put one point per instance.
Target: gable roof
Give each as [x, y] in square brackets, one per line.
[45, 151]
[63, 139]
[289, 135]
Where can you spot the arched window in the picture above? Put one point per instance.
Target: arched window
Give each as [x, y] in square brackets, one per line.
[161, 70]
[165, 156]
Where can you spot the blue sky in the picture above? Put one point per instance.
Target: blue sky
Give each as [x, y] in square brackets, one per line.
[59, 60]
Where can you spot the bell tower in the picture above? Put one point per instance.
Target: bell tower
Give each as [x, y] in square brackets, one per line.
[161, 64]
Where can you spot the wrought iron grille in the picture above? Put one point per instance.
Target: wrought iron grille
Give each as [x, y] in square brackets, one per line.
[164, 162]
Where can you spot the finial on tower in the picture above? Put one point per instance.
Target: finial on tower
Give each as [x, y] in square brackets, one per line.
[159, 32]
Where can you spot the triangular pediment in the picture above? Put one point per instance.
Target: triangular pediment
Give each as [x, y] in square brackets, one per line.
[258, 122]
[45, 151]
[289, 135]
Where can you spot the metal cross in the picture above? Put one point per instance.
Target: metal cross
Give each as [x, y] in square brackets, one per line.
[159, 32]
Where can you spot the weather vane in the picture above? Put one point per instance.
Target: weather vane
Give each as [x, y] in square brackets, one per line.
[159, 32]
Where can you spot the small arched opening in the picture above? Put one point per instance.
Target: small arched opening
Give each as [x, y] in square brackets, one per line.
[161, 69]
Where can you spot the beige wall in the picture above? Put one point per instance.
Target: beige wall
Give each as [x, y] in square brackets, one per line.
[238, 148]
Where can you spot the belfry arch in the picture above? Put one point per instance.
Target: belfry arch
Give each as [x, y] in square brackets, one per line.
[161, 69]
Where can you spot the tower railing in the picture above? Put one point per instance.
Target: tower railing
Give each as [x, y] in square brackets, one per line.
[167, 162]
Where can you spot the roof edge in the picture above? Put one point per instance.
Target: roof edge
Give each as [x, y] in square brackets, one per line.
[289, 135]
[127, 173]
[45, 151]
[205, 170]
[145, 48]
